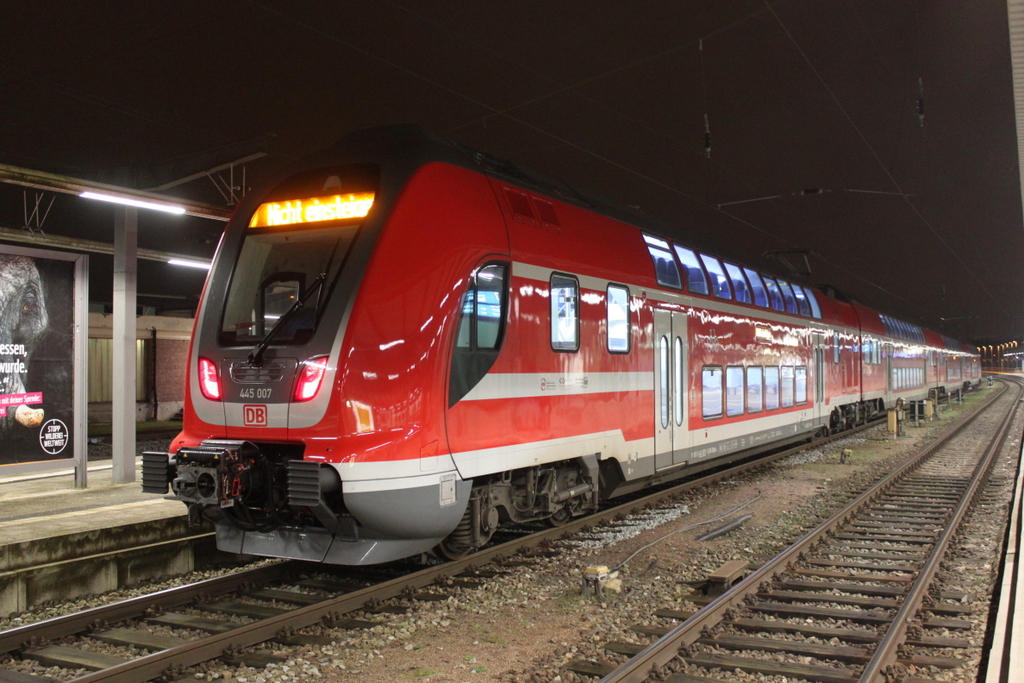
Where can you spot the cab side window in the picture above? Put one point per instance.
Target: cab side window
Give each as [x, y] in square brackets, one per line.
[481, 329]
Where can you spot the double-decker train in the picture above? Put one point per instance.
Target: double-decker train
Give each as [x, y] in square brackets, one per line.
[404, 343]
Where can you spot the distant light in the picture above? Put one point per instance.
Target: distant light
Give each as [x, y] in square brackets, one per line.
[167, 208]
[189, 264]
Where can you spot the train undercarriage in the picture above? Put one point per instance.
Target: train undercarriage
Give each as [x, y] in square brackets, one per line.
[265, 487]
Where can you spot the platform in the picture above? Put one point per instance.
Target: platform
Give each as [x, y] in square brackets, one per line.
[34, 507]
[58, 541]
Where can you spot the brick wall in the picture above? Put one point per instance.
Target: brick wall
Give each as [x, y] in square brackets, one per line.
[171, 362]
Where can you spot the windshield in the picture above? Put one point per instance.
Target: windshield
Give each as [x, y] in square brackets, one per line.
[275, 268]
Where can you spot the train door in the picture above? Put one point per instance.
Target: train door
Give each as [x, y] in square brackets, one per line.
[820, 410]
[671, 442]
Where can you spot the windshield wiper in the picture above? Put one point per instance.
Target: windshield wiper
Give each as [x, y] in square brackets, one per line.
[255, 357]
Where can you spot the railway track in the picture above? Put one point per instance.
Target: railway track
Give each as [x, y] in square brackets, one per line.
[853, 600]
[225, 618]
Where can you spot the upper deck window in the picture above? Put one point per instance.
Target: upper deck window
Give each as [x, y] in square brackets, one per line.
[757, 287]
[696, 281]
[739, 283]
[774, 294]
[665, 269]
[813, 301]
[787, 295]
[719, 283]
[801, 301]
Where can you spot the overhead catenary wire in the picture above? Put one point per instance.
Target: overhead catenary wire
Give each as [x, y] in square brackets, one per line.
[507, 113]
[885, 170]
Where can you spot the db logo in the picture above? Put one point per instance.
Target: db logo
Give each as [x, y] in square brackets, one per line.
[254, 416]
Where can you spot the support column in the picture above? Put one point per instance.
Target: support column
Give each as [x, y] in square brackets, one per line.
[126, 232]
[81, 372]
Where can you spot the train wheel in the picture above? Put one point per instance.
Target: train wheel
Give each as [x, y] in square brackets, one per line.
[560, 518]
[458, 543]
[448, 551]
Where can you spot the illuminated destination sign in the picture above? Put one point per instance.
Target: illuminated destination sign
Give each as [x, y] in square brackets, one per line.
[312, 210]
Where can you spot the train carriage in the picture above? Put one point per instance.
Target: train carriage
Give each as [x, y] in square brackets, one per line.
[404, 344]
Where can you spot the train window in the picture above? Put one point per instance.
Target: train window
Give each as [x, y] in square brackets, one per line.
[663, 353]
[696, 281]
[739, 283]
[274, 270]
[771, 388]
[618, 319]
[801, 301]
[813, 301]
[280, 292]
[757, 287]
[774, 295]
[835, 347]
[787, 295]
[755, 390]
[565, 319]
[711, 392]
[480, 332]
[800, 379]
[868, 350]
[786, 386]
[719, 283]
[664, 265]
[490, 291]
[678, 383]
[733, 390]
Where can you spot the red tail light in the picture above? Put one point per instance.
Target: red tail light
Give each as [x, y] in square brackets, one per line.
[310, 378]
[209, 380]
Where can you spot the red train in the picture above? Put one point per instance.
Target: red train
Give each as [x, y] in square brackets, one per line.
[404, 343]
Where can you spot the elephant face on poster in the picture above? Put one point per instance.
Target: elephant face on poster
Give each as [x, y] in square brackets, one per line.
[23, 321]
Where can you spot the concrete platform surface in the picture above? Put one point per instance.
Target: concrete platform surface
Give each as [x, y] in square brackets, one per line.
[35, 507]
[58, 542]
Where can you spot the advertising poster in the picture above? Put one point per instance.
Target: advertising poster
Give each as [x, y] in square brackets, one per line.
[37, 325]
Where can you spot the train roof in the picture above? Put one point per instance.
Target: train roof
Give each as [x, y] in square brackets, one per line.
[403, 148]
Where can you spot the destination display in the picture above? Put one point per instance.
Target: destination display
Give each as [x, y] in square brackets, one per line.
[312, 210]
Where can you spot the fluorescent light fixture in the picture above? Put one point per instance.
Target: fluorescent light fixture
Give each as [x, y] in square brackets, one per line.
[127, 201]
[189, 264]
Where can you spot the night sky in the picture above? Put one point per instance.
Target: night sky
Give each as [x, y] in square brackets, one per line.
[818, 146]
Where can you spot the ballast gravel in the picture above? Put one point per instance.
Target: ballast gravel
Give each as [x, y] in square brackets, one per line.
[532, 620]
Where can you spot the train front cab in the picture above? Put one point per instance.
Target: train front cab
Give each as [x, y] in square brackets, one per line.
[382, 481]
